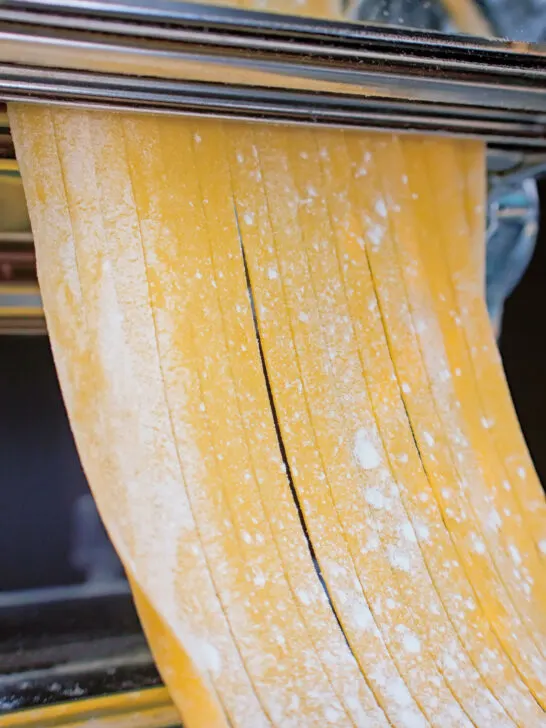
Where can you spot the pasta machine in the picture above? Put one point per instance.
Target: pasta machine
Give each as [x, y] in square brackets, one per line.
[173, 58]
[181, 58]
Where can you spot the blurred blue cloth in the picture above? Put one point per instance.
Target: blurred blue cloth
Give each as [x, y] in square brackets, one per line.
[523, 20]
[511, 237]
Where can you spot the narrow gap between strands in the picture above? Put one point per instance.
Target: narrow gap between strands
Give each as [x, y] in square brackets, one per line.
[279, 434]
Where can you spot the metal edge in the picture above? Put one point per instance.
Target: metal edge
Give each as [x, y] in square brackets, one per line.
[148, 708]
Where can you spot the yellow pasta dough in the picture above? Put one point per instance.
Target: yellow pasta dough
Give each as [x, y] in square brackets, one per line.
[276, 359]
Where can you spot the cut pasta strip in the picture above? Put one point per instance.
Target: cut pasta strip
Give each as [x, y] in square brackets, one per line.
[502, 524]
[498, 414]
[99, 386]
[194, 697]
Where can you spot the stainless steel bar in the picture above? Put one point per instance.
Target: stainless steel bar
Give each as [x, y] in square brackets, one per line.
[182, 15]
[183, 58]
[230, 30]
[314, 41]
[509, 129]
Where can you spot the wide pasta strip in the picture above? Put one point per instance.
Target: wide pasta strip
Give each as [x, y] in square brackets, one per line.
[194, 697]
[497, 507]
[65, 226]
[499, 416]
[468, 461]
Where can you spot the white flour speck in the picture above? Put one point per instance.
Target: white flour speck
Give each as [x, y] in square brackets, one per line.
[445, 375]
[493, 520]
[408, 532]
[515, 554]
[259, 579]
[381, 208]
[375, 498]
[363, 616]
[421, 326]
[364, 451]
[372, 543]
[478, 545]
[399, 560]
[411, 643]
[428, 439]
[423, 532]
[376, 234]
[332, 715]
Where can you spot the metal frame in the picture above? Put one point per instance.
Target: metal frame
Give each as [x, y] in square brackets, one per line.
[171, 57]
[63, 649]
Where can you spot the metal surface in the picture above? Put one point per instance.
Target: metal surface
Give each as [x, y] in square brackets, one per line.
[149, 708]
[176, 58]
[70, 643]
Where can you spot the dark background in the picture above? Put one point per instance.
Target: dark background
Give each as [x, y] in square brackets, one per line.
[524, 351]
[40, 474]
[41, 478]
